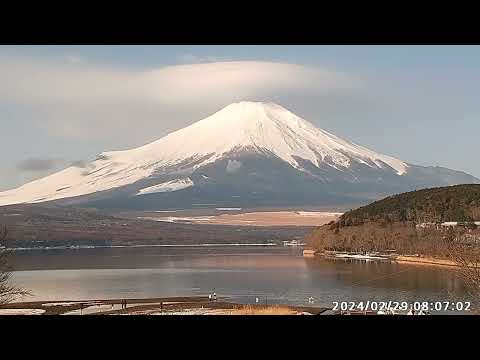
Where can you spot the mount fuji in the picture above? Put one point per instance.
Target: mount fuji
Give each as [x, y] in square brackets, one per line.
[247, 154]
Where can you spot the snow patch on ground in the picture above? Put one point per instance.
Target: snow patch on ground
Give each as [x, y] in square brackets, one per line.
[22, 311]
[317, 213]
[68, 303]
[94, 308]
[175, 219]
[192, 312]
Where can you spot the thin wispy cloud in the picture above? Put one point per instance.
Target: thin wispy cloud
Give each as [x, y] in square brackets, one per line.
[30, 169]
[196, 59]
[40, 164]
[73, 59]
[79, 163]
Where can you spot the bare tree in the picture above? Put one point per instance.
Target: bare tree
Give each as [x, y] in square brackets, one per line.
[8, 292]
[465, 253]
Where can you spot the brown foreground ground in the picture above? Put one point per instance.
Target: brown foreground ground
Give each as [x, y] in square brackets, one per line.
[198, 305]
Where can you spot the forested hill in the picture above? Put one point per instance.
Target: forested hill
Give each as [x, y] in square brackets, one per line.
[451, 203]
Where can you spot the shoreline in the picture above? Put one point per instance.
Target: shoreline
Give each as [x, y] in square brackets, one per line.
[399, 259]
[425, 261]
[80, 247]
[186, 305]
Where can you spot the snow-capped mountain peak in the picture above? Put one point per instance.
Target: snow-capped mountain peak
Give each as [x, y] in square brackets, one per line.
[266, 129]
[263, 126]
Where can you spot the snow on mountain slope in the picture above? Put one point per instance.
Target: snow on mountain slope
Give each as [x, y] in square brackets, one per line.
[168, 186]
[262, 127]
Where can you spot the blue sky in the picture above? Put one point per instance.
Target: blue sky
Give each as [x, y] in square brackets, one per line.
[60, 104]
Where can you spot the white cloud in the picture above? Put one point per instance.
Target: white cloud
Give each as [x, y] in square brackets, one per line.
[97, 101]
[26, 81]
[200, 82]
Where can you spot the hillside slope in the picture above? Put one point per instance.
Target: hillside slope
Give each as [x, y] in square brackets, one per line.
[451, 203]
[407, 223]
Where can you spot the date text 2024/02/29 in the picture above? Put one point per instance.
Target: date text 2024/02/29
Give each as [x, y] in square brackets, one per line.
[401, 306]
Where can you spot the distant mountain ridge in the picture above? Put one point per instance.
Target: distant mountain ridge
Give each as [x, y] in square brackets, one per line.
[246, 154]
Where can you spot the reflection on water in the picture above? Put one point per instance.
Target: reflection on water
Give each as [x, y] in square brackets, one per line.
[275, 275]
[358, 280]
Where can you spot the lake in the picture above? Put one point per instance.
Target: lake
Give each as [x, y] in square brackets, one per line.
[273, 274]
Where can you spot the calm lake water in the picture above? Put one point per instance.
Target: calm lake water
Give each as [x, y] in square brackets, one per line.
[274, 274]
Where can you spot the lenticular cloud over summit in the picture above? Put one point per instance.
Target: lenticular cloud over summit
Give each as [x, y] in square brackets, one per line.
[279, 158]
[69, 99]
[28, 82]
